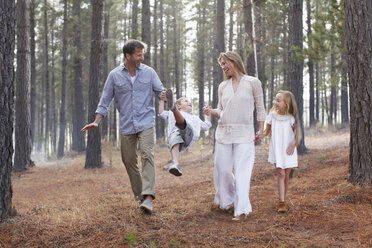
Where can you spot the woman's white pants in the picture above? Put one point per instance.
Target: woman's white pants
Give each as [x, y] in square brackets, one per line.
[233, 187]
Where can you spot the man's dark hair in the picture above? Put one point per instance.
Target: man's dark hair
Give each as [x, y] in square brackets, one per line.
[131, 45]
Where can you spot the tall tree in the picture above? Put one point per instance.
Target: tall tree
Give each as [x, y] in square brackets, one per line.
[93, 158]
[62, 111]
[134, 33]
[7, 31]
[219, 46]
[46, 79]
[176, 52]
[146, 29]
[358, 20]
[295, 65]
[310, 65]
[200, 43]
[53, 86]
[249, 44]
[78, 141]
[33, 70]
[22, 154]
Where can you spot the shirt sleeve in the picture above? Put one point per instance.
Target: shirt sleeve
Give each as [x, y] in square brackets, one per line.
[258, 99]
[269, 118]
[219, 104]
[156, 84]
[107, 95]
[205, 125]
[292, 121]
[164, 115]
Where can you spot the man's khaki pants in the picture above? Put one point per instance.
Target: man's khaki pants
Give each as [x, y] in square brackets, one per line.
[145, 184]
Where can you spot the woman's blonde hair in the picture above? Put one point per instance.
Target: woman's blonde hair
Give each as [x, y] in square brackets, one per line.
[290, 101]
[234, 58]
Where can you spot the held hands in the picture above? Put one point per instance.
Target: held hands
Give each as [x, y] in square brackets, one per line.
[290, 150]
[207, 110]
[259, 136]
[162, 96]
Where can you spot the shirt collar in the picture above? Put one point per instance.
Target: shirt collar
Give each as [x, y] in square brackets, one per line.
[125, 68]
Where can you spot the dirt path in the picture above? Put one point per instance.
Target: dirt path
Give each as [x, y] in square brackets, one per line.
[63, 205]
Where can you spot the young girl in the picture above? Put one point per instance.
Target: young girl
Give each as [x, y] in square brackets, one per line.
[283, 125]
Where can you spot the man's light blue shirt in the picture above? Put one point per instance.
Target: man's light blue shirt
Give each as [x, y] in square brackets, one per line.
[134, 101]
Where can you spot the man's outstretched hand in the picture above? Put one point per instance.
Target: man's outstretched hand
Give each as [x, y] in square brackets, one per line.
[89, 126]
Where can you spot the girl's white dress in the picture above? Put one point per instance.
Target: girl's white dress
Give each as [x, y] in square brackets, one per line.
[282, 136]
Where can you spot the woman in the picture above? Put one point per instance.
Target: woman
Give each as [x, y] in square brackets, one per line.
[235, 134]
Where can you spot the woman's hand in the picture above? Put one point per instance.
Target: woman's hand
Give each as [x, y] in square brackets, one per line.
[207, 110]
[290, 150]
[259, 136]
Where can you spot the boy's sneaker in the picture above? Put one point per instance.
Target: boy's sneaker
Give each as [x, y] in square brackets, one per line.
[169, 97]
[175, 170]
[167, 166]
[146, 206]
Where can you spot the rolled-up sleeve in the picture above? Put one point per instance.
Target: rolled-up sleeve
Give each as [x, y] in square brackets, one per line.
[258, 99]
[156, 83]
[219, 104]
[205, 125]
[107, 95]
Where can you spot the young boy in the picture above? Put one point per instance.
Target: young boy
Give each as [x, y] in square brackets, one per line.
[183, 127]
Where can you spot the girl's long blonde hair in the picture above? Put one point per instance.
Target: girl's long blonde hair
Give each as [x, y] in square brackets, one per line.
[235, 59]
[292, 109]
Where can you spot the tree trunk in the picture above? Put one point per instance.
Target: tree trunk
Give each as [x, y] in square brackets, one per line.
[359, 46]
[93, 157]
[62, 111]
[146, 29]
[317, 94]
[33, 70]
[46, 78]
[7, 32]
[344, 93]
[78, 141]
[219, 46]
[175, 53]
[106, 26]
[310, 64]
[231, 24]
[295, 67]
[201, 58]
[134, 19]
[22, 154]
[53, 92]
[162, 73]
[248, 27]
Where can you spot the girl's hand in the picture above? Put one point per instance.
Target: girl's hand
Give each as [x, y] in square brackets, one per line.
[259, 136]
[290, 150]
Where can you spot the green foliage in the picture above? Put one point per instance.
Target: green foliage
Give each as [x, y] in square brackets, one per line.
[131, 238]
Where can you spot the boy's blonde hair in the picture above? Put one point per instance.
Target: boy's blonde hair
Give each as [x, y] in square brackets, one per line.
[290, 101]
[235, 59]
[179, 100]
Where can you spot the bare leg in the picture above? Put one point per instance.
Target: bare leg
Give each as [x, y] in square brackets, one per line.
[176, 153]
[180, 121]
[281, 184]
[287, 172]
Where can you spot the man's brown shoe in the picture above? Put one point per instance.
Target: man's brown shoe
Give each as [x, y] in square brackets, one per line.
[282, 208]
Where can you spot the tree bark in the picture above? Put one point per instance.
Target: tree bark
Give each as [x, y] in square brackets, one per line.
[7, 32]
[344, 93]
[219, 46]
[46, 78]
[358, 20]
[295, 67]
[146, 30]
[134, 19]
[33, 70]
[62, 111]
[175, 53]
[78, 141]
[22, 154]
[248, 27]
[93, 157]
[310, 64]
[201, 32]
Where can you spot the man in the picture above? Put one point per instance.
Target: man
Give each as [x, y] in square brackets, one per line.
[132, 84]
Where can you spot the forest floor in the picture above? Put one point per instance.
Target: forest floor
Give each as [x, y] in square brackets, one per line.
[61, 204]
